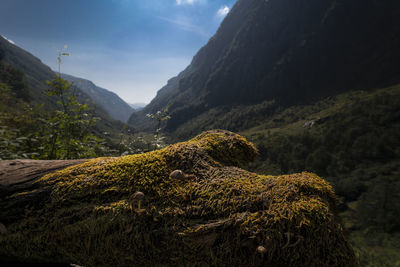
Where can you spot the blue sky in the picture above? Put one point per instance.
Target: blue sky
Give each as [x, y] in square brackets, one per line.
[131, 47]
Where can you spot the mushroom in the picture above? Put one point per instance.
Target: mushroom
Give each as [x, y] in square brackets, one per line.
[177, 174]
[261, 250]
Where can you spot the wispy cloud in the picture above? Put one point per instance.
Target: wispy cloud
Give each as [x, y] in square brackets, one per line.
[223, 11]
[189, 2]
[11, 41]
[186, 25]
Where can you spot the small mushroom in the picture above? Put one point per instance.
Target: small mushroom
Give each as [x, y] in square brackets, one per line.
[262, 250]
[177, 174]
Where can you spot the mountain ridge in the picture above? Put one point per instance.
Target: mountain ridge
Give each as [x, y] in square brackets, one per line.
[117, 108]
[292, 52]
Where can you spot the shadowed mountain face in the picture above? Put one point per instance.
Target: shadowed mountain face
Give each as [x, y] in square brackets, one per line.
[290, 51]
[117, 108]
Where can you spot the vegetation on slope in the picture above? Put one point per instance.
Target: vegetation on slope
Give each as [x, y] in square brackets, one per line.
[353, 140]
[216, 214]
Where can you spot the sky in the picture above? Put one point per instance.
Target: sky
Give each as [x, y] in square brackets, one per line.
[130, 47]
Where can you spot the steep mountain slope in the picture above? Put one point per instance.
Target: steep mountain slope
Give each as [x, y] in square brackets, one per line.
[117, 108]
[290, 51]
[34, 71]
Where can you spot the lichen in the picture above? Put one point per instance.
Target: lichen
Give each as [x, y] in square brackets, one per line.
[219, 217]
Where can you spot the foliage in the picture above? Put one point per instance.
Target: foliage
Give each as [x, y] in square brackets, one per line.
[216, 215]
[68, 127]
[15, 140]
[32, 132]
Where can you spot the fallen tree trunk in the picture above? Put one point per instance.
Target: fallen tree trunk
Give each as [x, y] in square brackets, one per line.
[17, 184]
[130, 211]
[19, 175]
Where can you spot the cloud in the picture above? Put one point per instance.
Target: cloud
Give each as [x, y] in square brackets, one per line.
[186, 25]
[185, 2]
[11, 41]
[223, 11]
[189, 2]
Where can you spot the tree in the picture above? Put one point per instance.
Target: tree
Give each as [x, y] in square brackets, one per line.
[68, 127]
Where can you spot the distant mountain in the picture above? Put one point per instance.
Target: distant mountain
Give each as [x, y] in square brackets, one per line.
[286, 51]
[117, 108]
[137, 106]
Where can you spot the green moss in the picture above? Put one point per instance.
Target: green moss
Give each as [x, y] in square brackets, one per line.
[217, 215]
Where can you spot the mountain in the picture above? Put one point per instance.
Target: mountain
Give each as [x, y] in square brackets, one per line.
[34, 72]
[117, 108]
[286, 51]
[137, 106]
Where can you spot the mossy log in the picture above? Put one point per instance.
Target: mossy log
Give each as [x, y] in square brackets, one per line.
[216, 214]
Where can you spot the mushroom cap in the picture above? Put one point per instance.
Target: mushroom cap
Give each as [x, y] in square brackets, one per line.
[261, 249]
[177, 174]
[138, 195]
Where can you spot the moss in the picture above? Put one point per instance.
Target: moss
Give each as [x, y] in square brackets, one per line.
[218, 216]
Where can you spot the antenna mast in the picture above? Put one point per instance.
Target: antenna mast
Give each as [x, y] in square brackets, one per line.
[60, 54]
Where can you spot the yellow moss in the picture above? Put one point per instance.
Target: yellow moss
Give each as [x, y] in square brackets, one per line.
[218, 215]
